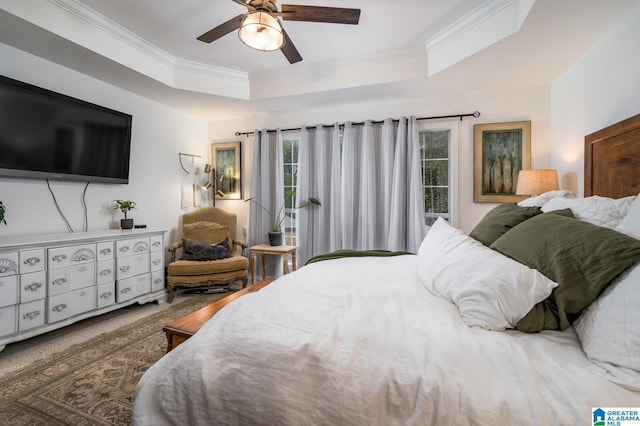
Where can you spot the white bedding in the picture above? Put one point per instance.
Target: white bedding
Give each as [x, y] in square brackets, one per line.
[360, 341]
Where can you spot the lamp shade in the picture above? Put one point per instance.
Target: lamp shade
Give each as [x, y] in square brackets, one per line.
[535, 182]
[262, 31]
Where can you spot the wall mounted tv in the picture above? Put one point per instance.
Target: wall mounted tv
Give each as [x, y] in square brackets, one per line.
[47, 135]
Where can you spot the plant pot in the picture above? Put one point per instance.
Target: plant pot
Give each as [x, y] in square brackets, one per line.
[275, 238]
[126, 223]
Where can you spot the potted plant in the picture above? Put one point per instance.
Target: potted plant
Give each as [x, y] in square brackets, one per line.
[3, 210]
[125, 206]
[275, 233]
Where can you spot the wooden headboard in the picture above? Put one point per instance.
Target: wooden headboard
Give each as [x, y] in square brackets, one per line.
[612, 160]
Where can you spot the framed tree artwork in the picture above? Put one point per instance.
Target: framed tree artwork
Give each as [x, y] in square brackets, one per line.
[501, 150]
[227, 171]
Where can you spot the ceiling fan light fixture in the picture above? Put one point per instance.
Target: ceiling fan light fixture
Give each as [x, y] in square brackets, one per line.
[261, 31]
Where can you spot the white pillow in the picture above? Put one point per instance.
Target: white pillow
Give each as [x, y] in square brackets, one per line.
[491, 290]
[609, 330]
[542, 199]
[630, 224]
[601, 211]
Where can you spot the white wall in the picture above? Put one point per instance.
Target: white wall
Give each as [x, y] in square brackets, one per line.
[600, 89]
[509, 105]
[158, 134]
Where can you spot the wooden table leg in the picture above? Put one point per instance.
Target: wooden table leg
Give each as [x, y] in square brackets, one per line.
[285, 264]
[254, 264]
[293, 260]
[264, 268]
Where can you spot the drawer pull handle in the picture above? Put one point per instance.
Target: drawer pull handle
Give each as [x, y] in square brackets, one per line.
[59, 257]
[157, 281]
[59, 308]
[156, 261]
[105, 251]
[59, 281]
[82, 269]
[125, 290]
[31, 261]
[105, 272]
[31, 315]
[33, 286]
[124, 268]
[156, 243]
[124, 249]
[106, 295]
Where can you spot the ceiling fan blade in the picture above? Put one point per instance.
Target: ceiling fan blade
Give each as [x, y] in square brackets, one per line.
[289, 49]
[222, 30]
[335, 15]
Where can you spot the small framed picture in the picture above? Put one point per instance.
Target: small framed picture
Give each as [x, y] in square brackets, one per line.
[501, 150]
[226, 170]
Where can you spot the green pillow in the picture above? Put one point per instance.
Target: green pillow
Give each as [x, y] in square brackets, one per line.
[581, 257]
[499, 220]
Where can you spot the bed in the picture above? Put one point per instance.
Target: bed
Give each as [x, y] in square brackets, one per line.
[467, 331]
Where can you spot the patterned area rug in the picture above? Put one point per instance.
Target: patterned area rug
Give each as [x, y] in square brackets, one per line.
[92, 383]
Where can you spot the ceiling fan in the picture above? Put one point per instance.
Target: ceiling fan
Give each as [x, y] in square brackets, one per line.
[261, 29]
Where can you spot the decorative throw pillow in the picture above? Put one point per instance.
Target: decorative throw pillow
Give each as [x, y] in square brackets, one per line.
[542, 199]
[202, 250]
[630, 224]
[609, 330]
[499, 220]
[490, 290]
[581, 257]
[601, 211]
[210, 232]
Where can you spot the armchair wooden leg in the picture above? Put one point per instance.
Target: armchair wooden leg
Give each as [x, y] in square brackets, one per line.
[244, 282]
[170, 292]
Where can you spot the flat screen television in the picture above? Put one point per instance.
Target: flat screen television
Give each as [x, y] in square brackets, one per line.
[48, 135]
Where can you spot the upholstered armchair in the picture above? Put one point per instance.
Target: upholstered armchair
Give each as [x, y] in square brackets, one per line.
[210, 225]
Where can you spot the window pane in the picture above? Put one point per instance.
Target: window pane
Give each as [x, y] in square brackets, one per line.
[436, 200]
[436, 173]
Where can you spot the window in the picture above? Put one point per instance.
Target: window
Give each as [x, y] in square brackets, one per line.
[290, 148]
[437, 146]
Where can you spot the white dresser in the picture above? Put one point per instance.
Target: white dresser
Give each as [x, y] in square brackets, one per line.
[50, 281]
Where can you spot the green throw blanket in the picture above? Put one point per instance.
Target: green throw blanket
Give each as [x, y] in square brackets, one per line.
[338, 254]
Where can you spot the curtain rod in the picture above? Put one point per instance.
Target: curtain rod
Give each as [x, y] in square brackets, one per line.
[475, 114]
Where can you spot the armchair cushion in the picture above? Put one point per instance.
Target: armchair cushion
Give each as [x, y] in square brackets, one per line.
[182, 268]
[211, 232]
[202, 250]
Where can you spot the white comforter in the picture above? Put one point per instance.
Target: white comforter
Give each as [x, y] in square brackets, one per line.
[360, 341]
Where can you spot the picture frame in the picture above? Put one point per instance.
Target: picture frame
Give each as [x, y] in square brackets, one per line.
[227, 170]
[501, 150]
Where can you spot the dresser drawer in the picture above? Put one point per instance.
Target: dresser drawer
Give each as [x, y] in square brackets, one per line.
[59, 308]
[132, 246]
[106, 272]
[142, 284]
[60, 257]
[58, 281]
[8, 290]
[157, 280]
[104, 250]
[125, 290]
[8, 263]
[106, 294]
[8, 320]
[156, 243]
[132, 265]
[33, 286]
[83, 275]
[157, 260]
[31, 315]
[32, 261]
[83, 300]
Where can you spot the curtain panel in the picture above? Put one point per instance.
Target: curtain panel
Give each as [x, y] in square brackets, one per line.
[370, 187]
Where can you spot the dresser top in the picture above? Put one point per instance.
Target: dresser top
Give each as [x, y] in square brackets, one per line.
[72, 237]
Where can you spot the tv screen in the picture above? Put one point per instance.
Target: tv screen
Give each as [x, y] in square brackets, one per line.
[47, 135]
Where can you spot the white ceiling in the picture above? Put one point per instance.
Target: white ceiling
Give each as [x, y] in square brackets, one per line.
[150, 47]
